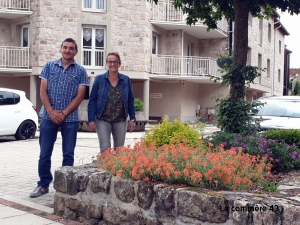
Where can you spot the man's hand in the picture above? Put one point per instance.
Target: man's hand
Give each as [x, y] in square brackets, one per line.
[56, 116]
[131, 125]
[92, 126]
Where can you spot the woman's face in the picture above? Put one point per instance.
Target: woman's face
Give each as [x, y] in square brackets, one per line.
[113, 64]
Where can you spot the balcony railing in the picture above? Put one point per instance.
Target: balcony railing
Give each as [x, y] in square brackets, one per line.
[15, 4]
[184, 66]
[14, 57]
[165, 11]
[93, 57]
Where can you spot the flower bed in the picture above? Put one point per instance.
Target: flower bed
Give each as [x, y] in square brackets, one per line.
[203, 166]
[92, 195]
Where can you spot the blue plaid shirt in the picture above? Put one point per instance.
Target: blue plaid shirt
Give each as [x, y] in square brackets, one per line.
[62, 86]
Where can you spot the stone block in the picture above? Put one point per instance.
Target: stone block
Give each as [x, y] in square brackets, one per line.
[124, 189]
[202, 206]
[145, 194]
[164, 200]
[64, 180]
[100, 182]
[117, 215]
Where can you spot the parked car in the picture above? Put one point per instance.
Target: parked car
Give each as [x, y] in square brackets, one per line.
[18, 115]
[280, 112]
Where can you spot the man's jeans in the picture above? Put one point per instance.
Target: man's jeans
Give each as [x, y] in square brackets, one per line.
[48, 134]
[105, 129]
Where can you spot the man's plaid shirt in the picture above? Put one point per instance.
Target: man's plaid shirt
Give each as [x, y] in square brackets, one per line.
[62, 86]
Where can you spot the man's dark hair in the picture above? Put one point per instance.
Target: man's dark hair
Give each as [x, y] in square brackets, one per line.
[70, 40]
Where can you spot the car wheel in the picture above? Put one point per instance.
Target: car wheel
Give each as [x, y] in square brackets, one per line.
[26, 130]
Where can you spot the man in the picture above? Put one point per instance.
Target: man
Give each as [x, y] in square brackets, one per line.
[63, 84]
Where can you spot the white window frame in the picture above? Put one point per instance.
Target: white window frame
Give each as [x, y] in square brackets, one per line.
[93, 47]
[93, 6]
[22, 33]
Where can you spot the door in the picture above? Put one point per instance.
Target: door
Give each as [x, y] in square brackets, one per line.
[189, 59]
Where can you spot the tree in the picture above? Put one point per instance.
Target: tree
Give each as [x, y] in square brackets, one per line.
[240, 75]
[211, 11]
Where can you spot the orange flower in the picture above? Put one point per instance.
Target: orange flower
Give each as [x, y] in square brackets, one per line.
[186, 172]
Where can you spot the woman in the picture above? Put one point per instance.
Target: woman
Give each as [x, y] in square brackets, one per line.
[110, 103]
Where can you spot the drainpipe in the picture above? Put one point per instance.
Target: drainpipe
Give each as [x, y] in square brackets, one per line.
[273, 77]
[230, 37]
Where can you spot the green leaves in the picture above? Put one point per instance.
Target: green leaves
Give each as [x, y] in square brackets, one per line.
[272, 187]
[138, 104]
[176, 131]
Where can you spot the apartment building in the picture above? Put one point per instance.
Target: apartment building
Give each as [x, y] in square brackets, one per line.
[168, 62]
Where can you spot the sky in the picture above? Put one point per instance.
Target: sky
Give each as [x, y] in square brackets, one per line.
[291, 24]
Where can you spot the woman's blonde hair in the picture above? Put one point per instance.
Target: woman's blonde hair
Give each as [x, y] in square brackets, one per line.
[115, 54]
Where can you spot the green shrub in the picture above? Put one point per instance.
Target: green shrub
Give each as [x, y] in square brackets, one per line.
[290, 136]
[172, 132]
[138, 104]
[296, 90]
[235, 115]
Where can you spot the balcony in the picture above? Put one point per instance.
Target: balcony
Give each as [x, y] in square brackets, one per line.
[165, 16]
[13, 9]
[14, 59]
[93, 57]
[189, 66]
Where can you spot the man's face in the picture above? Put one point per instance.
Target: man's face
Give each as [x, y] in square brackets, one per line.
[68, 51]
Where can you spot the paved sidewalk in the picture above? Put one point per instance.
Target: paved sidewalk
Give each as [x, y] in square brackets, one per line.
[18, 177]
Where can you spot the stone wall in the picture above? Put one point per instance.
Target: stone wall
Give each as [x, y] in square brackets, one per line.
[92, 195]
[266, 49]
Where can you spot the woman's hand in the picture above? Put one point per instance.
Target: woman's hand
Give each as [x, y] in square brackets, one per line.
[131, 125]
[92, 126]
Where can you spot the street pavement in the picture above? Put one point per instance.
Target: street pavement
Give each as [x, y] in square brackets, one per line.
[18, 176]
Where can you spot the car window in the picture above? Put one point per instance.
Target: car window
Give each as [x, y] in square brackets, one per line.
[283, 108]
[17, 98]
[8, 98]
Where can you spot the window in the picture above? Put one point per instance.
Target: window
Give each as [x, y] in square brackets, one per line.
[25, 36]
[279, 74]
[269, 32]
[268, 67]
[260, 31]
[93, 43]
[259, 64]
[254, 96]
[94, 5]
[8, 98]
[154, 44]
[249, 56]
[279, 47]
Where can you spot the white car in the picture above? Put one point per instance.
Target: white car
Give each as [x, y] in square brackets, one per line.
[18, 115]
[280, 112]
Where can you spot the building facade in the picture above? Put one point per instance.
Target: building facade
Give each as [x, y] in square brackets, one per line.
[168, 62]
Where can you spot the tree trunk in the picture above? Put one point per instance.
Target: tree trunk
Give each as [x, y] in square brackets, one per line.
[241, 10]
